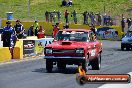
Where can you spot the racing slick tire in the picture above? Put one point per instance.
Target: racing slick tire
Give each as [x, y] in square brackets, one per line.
[85, 64]
[122, 47]
[61, 65]
[49, 66]
[96, 63]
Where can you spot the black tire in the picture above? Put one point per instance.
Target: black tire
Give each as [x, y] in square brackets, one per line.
[61, 65]
[85, 65]
[96, 63]
[122, 47]
[49, 66]
[127, 48]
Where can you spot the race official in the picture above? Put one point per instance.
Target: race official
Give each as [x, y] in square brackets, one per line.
[19, 29]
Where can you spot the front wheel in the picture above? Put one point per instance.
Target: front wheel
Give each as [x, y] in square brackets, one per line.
[49, 66]
[122, 48]
[96, 63]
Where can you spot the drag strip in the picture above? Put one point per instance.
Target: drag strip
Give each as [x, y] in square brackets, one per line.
[32, 74]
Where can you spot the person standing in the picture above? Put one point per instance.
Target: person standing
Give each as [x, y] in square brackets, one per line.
[99, 19]
[36, 26]
[6, 34]
[129, 22]
[66, 16]
[75, 16]
[55, 29]
[47, 16]
[123, 24]
[30, 31]
[19, 29]
[41, 32]
[9, 37]
[59, 16]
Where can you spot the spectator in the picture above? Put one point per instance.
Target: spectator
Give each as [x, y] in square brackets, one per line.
[47, 16]
[55, 29]
[75, 16]
[19, 29]
[64, 3]
[36, 26]
[30, 31]
[66, 16]
[54, 16]
[92, 17]
[66, 26]
[85, 15]
[123, 24]
[59, 16]
[99, 19]
[129, 22]
[41, 32]
[9, 37]
[93, 29]
[70, 3]
[104, 19]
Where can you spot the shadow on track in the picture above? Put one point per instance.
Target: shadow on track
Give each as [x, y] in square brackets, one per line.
[68, 70]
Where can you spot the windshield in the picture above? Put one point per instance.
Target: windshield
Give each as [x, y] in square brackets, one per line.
[129, 33]
[72, 36]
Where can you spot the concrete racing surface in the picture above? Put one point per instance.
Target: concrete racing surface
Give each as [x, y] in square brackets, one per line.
[32, 74]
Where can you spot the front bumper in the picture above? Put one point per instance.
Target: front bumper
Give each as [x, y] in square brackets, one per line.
[126, 44]
[64, 58]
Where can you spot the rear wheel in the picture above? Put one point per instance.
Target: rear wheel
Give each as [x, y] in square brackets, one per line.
[49, 65]
[96, 63]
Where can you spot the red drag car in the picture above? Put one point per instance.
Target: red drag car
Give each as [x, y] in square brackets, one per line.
[74, 46]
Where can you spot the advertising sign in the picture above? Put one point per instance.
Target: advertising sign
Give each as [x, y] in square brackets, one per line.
[107, 33]
[40, 44]
[28, 47]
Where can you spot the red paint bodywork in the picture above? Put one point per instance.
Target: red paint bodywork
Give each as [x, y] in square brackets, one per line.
[73, 45]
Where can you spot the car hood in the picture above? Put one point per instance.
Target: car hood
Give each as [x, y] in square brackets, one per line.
[127, 38]
[67, 45]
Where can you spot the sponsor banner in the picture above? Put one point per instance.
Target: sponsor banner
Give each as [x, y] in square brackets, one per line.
[108, 33]
[83, 78]
[103, 78]
[32, 48]
[28, 48]
[40, 44]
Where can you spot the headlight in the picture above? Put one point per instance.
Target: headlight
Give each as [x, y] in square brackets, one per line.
[48, 51]
[79, 50]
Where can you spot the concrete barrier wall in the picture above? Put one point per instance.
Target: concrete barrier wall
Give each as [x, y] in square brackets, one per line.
[49, 28]
[5, 54]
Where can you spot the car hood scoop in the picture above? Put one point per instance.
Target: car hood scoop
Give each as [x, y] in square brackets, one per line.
[66, 43]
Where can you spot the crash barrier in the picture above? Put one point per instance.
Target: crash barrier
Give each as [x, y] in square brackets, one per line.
[5, 54]
[25, 48]
[1, 42]
[103, 32]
